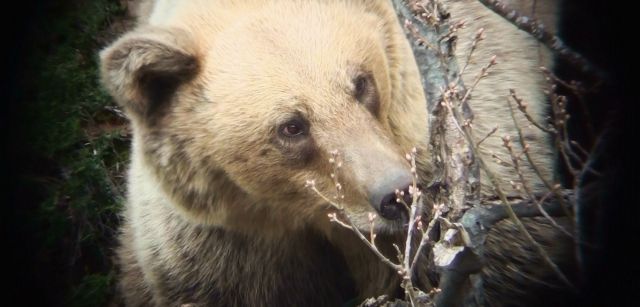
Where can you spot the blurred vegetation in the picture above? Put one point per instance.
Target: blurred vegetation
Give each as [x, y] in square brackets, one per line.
[74, 147]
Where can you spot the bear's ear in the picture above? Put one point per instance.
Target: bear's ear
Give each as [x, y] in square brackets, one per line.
[143, 69]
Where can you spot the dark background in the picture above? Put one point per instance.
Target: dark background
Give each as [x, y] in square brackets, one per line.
[40, 274]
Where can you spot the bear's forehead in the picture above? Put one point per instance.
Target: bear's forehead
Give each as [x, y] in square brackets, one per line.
[287, 44]
[258, 53]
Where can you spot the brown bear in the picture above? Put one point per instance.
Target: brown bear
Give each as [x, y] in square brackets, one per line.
[233, 109]
[234, 106]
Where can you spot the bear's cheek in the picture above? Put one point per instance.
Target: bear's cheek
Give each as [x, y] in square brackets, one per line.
[266, 172]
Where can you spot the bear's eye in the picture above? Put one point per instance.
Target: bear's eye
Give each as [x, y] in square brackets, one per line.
[360, 84]
[292, 128]
[364, 91]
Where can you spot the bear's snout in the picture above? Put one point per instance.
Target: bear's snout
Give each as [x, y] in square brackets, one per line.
[390, 208]
[384, 199]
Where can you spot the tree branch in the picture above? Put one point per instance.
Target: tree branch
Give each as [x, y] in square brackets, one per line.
[538, 30]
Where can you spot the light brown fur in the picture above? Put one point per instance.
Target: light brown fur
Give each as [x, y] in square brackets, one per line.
[515, 275]
[519, 58]
[218, 212]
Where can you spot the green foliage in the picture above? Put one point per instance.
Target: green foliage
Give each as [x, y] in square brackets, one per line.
[67, 88]
[76, 146]
[92, 291]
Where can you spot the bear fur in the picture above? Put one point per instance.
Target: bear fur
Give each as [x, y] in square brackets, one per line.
[218, 212]
[514, 274]
[235, 106]
[519, 58]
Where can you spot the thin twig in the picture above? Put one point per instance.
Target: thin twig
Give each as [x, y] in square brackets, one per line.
[487, 136]
[478, 37]
[559, 122]
[500, 161]
[482, 74]
[422, 41]
[534, 27]
[337, 164]
[580, 148]
[334, 218]
[546, 214]
[510, 212]
[519, 224]
[575, 88]
[452, 31]
[349, 224]
[567, 144]
[534, 165]
[437, 212]
[415, 194]
[578, 91]
[522, 106]
[507, 144]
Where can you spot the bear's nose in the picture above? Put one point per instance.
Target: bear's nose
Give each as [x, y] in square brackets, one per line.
[390, 208]
[384, 199]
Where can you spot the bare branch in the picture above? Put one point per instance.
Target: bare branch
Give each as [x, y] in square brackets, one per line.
[560, 118]
[511, 213]
[437, 212]
[520, 226]
[487, 136]
[480, 219]
[538, 30]
[457, 154]
[554, 188]
[416, 208]
[479, 36]
[527, 189]
[522, 106]
[348, 223]
[482, 74]
[578, 91]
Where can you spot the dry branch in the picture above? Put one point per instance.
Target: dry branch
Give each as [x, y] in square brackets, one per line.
[430, 34]
[534, 27]
[455, 191]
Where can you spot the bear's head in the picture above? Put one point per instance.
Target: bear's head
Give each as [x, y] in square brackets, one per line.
[234, 115]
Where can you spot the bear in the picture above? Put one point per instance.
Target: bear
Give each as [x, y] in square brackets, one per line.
[234, 107]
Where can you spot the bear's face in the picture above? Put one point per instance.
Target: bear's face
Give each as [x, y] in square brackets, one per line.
[234, 131]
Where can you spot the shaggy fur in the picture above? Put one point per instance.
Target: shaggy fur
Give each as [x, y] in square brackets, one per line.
[218, 212]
